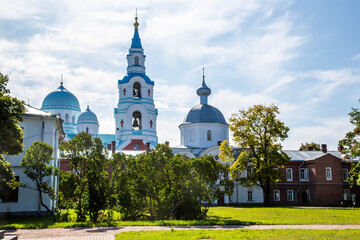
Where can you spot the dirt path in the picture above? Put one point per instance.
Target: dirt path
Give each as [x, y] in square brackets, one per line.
[107, 233]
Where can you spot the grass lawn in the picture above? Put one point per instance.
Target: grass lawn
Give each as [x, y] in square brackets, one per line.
[216, 216]
[286, 234]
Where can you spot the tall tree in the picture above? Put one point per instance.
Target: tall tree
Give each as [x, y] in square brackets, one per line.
[257, 132]
[78, 150]
[36, 167]
[97, 179]
[351, 147]
[11, 135]
[88, 159]
[312, 146]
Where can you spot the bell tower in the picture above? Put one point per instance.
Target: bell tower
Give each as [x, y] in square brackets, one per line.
[135, 115]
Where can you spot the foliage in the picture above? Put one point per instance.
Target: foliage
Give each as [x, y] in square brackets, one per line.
[257, 132]
[97, 179]
[88, 159]
[167, 186]
[36, 167]
[67, 187]
[312, 145]
[351, 147]
[11, 135]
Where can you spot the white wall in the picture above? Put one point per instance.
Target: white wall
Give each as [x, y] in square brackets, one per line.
[28, 200]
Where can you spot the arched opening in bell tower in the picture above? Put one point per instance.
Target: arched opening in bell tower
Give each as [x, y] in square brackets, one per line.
[136, 61]
[136, 120]
[137, 90]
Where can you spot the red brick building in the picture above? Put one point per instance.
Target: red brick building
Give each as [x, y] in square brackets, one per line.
[315, 178]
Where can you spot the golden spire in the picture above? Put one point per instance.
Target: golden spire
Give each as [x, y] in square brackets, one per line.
[136, 24]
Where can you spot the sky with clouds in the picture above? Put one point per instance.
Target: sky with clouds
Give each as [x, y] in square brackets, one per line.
[302, 55]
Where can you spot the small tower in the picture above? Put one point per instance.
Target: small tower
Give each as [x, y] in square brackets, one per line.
[135, 115]
[204, 126]
[88, 122]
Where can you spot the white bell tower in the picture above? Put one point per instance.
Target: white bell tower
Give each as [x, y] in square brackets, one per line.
[135, 115]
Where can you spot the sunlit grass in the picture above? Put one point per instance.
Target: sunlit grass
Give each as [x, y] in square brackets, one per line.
[279, 234]
[216, 216]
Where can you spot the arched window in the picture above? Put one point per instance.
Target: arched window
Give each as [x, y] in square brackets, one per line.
[66, 118]
[192, 135]
[209, 135]
[136, 120]
[136, 146]
[136, 61]
[87, 130]
[73, 119]
[137, 90]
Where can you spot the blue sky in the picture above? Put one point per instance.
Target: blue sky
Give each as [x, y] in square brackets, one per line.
[303, 56]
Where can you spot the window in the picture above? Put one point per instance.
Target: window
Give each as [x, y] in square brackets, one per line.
[250, 195]
[249, 171]
[345, 174]
[276, 195]
[66, 118]
[209, 135]
[59, 114]
[328, 173]
[73, 119]
[289, 174]
[87, 130]
[304, 174]
[290, 195]
[347, 194]
[192, 135]
[136, 146]
[9, 194]
[136, 120]
[137, 90]
[136, 60]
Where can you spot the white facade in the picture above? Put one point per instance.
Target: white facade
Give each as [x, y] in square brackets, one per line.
[203, 135]
[37, 126]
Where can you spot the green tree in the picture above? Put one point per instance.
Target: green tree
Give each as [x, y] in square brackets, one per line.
[11, 135]
[78, 150]
[351, 147]
[67, 186]
[97, 179]
[88, 159]
[257, 132]
[36, 167]
[160, 185]
[312, 145]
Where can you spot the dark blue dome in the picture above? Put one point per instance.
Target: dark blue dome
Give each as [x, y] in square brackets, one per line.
[204, 113]
[61, 98]
[87, 117]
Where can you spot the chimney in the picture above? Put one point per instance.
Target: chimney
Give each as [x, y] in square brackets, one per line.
[309, 148]
[109, 146]
[147, 146]
[167, 143]
[219, 143]
[324, 148]
[113, 146]
[340, 148]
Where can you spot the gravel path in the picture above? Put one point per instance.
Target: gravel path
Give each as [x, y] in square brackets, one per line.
[107, 233]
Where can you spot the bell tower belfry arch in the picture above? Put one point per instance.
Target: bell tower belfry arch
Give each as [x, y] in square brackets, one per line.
[135, 115]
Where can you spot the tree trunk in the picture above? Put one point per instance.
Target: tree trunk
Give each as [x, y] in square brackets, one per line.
[266, 191]
[46, 207]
